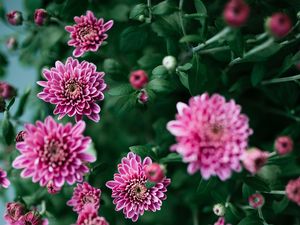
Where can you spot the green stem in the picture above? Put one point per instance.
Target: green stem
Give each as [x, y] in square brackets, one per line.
[276, 192]
[283, 79]
[260, 214]
[195, 217]
[181, 17]
[149, 9]
[213, 39]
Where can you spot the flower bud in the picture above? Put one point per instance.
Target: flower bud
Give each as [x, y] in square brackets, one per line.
[169, 62]
[236, 13]
[6, 90]
[14, 210]
[155, 172]
[52, 189]
[138, 79]
[143, 97]
[283, 145]
[219, 209]
[292, 190]
[2, 105]
[256, 200]
[40, 17]
[11, 43]
[15, 18]
[141, 18]
[279, 25]
[21, 136]
[254, 159]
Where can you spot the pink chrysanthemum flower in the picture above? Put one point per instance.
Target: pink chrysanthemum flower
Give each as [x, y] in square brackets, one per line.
[84, 194]
[256, 200]
[74, 88]
[211, 135]
[54, 153]
[254, 159]
[284, 145]
[4, 182]
[292, 190]
[221, 221]
[89, 216]
[129, 188]
[14, 210]
[32, 218]
[88, 33]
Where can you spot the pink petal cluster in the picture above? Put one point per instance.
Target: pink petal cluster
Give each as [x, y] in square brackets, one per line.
[4, 182]
[14, 210]
[155, 172]
[32, 218]
[236, 13]
[88, 33]
[14, 18]
[284, 145]
[6, 90]
[221, 221]
[279, 25]
[138, 79]
[212, 135]
[74, 88]
[129, 188]
[40, 17]
[54, 153]
[256, 200]
[89, 216]
[84, 194]
[254, 159]
[292, 190]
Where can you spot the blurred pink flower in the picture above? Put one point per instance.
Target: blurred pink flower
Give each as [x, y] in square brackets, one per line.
[292, 190]
[54, 153]
[236, 13]
[84, 194]
[155, 172]
[221, 221]
[32, 218]
[20, 136]
[212, 135]
[138, 79]
[284, 145]
[89, 216]
[256, 200]
[6, 90]
[74, 88]
[4, 182]
[14, 18]
[129, 188]
[254, 159]
[88, 33]
[279, 25]
[14, 210]
[40, 17]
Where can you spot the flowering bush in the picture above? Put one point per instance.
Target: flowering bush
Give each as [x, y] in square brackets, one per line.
[200, 122]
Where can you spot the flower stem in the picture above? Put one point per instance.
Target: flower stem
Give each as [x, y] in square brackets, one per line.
[260, 214]
[195, 217]
[283, 79]
[275, 192]
[149, 9]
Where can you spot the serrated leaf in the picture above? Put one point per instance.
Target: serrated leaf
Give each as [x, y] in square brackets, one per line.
[149, 61]
[137, 10]
[22, 103]
[142, 150]
[258, 73]
[247, 191]
[120, 90]
[279, 206]
[159, 71]
[167, 26]
[159, 85]
[133, 38]
[251, 220]
[257, 183]
[172, 157]
[183, 77]
[163, 8]
[185, 67]
[191, 38]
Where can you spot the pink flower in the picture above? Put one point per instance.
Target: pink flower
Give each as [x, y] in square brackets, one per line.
[138, 79]
[88, 33]
[54, 153]
[89, 216]
[129, 188]
[6, 90]
[284, 145]
[52, 189]
[21, 136]
[279, 25]
[14, 210]
[236, 13]
[292, 190]
[254, 159]
[256, 200]
[84, 194]
[221, 221]
[143, 97]
[74, 88]
[4, 182]
[15, 18]
[11, 43]
[32, 218]
[155, 172]
[40, 17]
[211, 135]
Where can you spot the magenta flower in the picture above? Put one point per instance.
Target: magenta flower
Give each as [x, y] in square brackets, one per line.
[84, 194]
[89, 216]
[20, 136]
[138, 79]
[279, 25]
[155, 172]
[14, 18]
[40, 17]
[14, 210]
[292, 190]
[6, 90]
[284, 145]
[54, 153]
[4, 182]
[32, 218]
[221, 221]
[129, 188]
[143, 97]
[256, 200]
[74, 88]
[236, 13]
[211, 135]
[254, 159]
[88, 33]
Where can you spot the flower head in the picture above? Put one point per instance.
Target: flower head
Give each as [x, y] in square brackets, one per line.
[54, 153]
[32, 218]
[211, 135]
[88, 33]
[6, 90]
[89, 216]
[254, 159]
[292, 190]
[221, 221]
[219, 209]
[4, 182]
[155, 172]
[169, 62]
[74, 88]
[84, 194]
[129, 188]
[279, 25]
[256, 200]
[14, 210]
[236, 13]
[15, 18]
[40, 17]
[284, 145]
[138, 79]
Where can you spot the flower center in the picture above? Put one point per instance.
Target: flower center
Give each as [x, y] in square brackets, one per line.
[54, 153]
[88, 199]
[73, 89]
[215, 131]
[137, 190]
[88, 33]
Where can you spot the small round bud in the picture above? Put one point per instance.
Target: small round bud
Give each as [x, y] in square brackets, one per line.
[236, 13]
[52, 189]
[21, 136]
[2, 105]
[138, 79]
[169, 62]
[15, 18]
[283, 145]
[6, 90]
[40, 17]
[279, 25]
[256, 200]
[219, 209]
[143, 97]
[11, 43]
[141, 18]
[155, 172]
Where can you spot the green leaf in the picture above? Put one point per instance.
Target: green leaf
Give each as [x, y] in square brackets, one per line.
[257, 183]
[206, 185]
[236, 42]
[185, 67]
[184, 79]
[71, 8]
[201, 10]
[7, 129]
[196, 75]
[163, 8]
[191, 38]
[200, 7]
[167, 26]
[159, 71]
[143, 151]
[159, 85]
[172, 157]
[149, 61]
[251, 220]
[23, 102]
[133, 38]
[247, 191]
[137, 10]
[238, 213]
[10, 104]
[120, 90]
[258, 73]
[279, 206]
